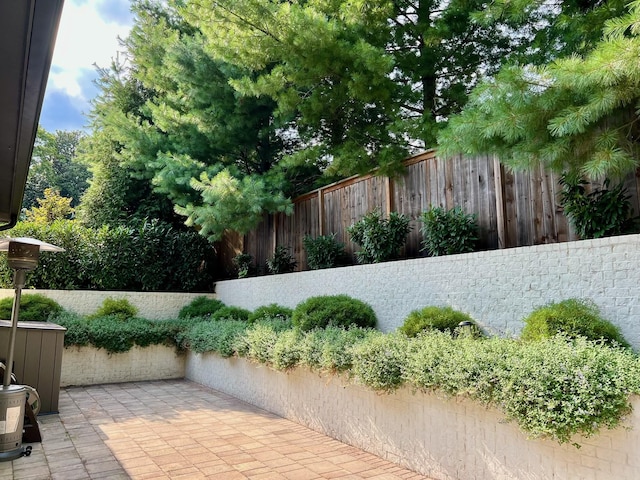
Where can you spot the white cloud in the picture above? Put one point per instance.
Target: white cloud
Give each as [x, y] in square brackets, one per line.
[84, 38]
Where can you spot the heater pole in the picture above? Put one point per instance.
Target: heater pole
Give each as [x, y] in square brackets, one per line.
[18, 282]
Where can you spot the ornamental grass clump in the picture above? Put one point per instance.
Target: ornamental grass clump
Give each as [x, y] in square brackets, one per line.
[444, 319]
[333, 310]
[572, 318]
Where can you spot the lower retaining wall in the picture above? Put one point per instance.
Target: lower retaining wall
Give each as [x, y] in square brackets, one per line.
[150, 305]
[92, 366]
[498, 288]
[441, 438]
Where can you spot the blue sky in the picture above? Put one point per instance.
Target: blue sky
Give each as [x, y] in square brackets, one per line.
[88, 35]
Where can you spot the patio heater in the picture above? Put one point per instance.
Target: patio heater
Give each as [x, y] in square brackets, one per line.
[23, 255]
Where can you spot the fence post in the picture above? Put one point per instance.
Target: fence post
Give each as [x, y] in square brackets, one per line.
[321, 211]
[500, 216]
[388, 204]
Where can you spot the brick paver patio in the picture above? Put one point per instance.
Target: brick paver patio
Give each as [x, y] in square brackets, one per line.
[182, 430]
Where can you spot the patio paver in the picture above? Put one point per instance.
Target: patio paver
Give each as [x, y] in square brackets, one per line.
[178, 429]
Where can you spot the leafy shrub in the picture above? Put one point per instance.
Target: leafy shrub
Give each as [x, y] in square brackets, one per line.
[231, 313]
[444, 319]
[557, 389]
[378, 361]
[258, 342]
[201, 307]
[287, 350]
[271, 311]
[447, 232]
[219, 337]
[333, 310]
[242, 263]
[323, 251]
[149, 257]
[601, 213]
[281, 262]
[329, 350]
[118, 308]
[78, 332]
[379, 239]
[34, 307]
[116, 336]
[573, 318]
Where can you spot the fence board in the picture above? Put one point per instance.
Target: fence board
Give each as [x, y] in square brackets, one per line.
[513, 208]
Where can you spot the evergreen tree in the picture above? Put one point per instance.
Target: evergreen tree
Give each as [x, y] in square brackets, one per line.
[577, 113]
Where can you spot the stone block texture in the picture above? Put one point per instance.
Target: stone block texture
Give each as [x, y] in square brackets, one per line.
[498, 288]
[93, 366]
[442, 438]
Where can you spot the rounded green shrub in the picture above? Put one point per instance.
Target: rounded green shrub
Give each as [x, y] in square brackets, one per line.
[231, 313]
[120, 308]
[34, 307]
[201, 307]
[573, 318]
[272, 311]
[444, 319]
[333, 310]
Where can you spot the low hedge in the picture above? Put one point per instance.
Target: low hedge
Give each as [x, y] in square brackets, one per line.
[555, 388]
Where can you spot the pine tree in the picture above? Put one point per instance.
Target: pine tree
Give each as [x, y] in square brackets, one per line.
[577, 113]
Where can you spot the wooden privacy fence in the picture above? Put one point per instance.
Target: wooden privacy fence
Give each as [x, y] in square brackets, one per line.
[513, 208]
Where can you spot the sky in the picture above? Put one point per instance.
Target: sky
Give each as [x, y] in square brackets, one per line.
[87, 36]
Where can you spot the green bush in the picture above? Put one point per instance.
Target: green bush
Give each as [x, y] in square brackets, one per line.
[329, 350]
[287, 350]
[379, 239]
[231, 313]
[269, 312]
[219, 337]
[201, 307]
[447, 232]
[281, 262]
[573, 318]
[118, 308]
[242, 262]
[323, 251]
[379, 361]
[333, 310]
[116, 336]
[148, 257]
[444, 319]
[600, 213]
[34, 307]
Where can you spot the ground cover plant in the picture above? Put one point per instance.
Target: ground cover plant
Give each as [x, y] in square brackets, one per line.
[119, 308]
[557, 387]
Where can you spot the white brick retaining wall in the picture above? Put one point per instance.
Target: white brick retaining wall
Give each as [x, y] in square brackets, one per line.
[498, 288]
[150, 305]
[441, 438]
[93, 366]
